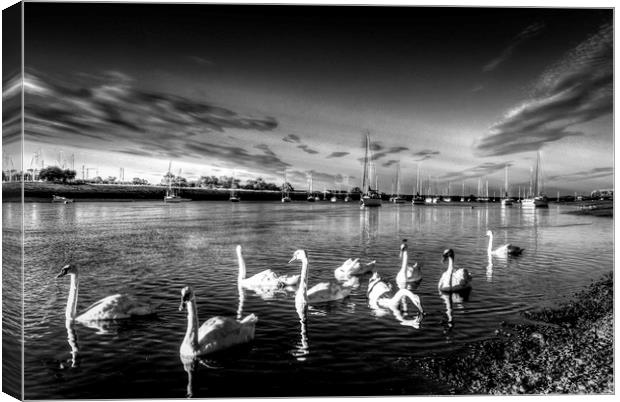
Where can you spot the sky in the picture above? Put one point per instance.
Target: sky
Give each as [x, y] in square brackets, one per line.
[254, 91]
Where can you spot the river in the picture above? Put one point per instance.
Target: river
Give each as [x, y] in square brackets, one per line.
[152, 250]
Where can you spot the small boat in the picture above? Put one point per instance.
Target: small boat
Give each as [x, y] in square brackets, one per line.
[311, 197]
[172, 195]
[348, 198]
[536, 198]
[370, 198]
[285, 194]
[506, 201]
[333, 199]
[233, 193]
[417, 198]
[62, 200]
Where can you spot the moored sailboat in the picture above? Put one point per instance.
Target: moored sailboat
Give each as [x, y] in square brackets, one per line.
[536, 198]
[506, 201]
[370, 197]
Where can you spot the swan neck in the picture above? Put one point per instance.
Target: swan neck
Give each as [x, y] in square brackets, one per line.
[490, 242]
[403, 267]
[191, 335]
[242, 270]
[303, 280]
[70, 312]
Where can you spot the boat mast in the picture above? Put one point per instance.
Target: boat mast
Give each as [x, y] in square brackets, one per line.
[506, 181]
[366, 167]
[536, 176]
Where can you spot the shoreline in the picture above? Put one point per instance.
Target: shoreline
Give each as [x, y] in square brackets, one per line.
[568, 349]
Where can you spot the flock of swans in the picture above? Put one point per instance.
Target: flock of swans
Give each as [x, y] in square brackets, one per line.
[220, 333]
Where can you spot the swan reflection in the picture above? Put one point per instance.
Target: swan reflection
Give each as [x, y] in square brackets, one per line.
[302, 349]
[73, 344]
[490, 269]
[454, 300]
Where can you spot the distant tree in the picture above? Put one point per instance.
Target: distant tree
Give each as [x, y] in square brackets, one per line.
[287, 187]
[69, 174]
[97, 180]
[52, 173]
[356, 190]
[167, 179]
[180, 181]
[110, 179]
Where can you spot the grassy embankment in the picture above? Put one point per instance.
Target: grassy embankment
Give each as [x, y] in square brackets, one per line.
[43, 191]
[564, 350]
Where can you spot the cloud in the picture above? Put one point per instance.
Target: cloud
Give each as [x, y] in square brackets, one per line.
[318, 178]
[307, 149]
[425, 154]
[595, 173]
[529, 32]
[484, 169]
[389, 163]
[201, 60]
[576, 90]
[107, 112]
[337, 154]
[291, 138]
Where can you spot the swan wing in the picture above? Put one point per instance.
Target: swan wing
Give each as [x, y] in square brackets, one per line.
[289, 280]
[264, 279]
[327, 291]
[218, 333]
[115, 307]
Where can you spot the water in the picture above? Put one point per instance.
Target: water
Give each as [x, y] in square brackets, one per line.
[152, 250]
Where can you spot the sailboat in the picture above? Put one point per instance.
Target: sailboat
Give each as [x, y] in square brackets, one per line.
[417, 198]
[347, 198]
[233, 194]
[397, 199]
[310, 194]
[448, 198]
[506, 201]
[171, 193]
[370, 198]
[536, 198]
[285, 195]
[463, 192]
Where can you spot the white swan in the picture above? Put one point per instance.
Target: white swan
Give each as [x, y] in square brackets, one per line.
[216, 334]
[115, 307]
[502, 251]
[352, 268]
[380, 297]
[453, 280]
[266, 279]
[319, 293]
[407, 273]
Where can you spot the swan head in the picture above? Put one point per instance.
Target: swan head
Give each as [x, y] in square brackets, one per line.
[374, 278]
[299, 255]
[187, 295]
[489, 233]
[403, 247]
[238, 248]
[447, 253]
[66, 270]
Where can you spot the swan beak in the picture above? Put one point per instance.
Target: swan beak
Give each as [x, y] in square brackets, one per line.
[292, 259]
[62, 273]
[182, 305]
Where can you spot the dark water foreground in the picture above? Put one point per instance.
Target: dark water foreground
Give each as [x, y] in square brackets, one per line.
[563, 350]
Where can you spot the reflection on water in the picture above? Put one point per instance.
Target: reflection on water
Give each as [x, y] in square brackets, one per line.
[149, 249]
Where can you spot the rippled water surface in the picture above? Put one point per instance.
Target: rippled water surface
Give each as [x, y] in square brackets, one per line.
[152, 249]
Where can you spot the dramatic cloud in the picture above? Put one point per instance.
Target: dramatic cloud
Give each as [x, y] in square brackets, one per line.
[108, 113]
[595, 173]
[484, 169]
[292, 138]
[389, 163]
[303, 177]
[307, 149]
[576, 90]
[529, 32]
[337, 154]
[425, 154]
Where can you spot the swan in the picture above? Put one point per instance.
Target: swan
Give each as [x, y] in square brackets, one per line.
[352, 267]
[408, 273]
[502, 251]
[319, 293]
[453, 280]
[266, 279]
[115, 307]
[380, 298]
[215, 334]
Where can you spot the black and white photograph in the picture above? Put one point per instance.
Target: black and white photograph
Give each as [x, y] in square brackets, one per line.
[263, 200]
